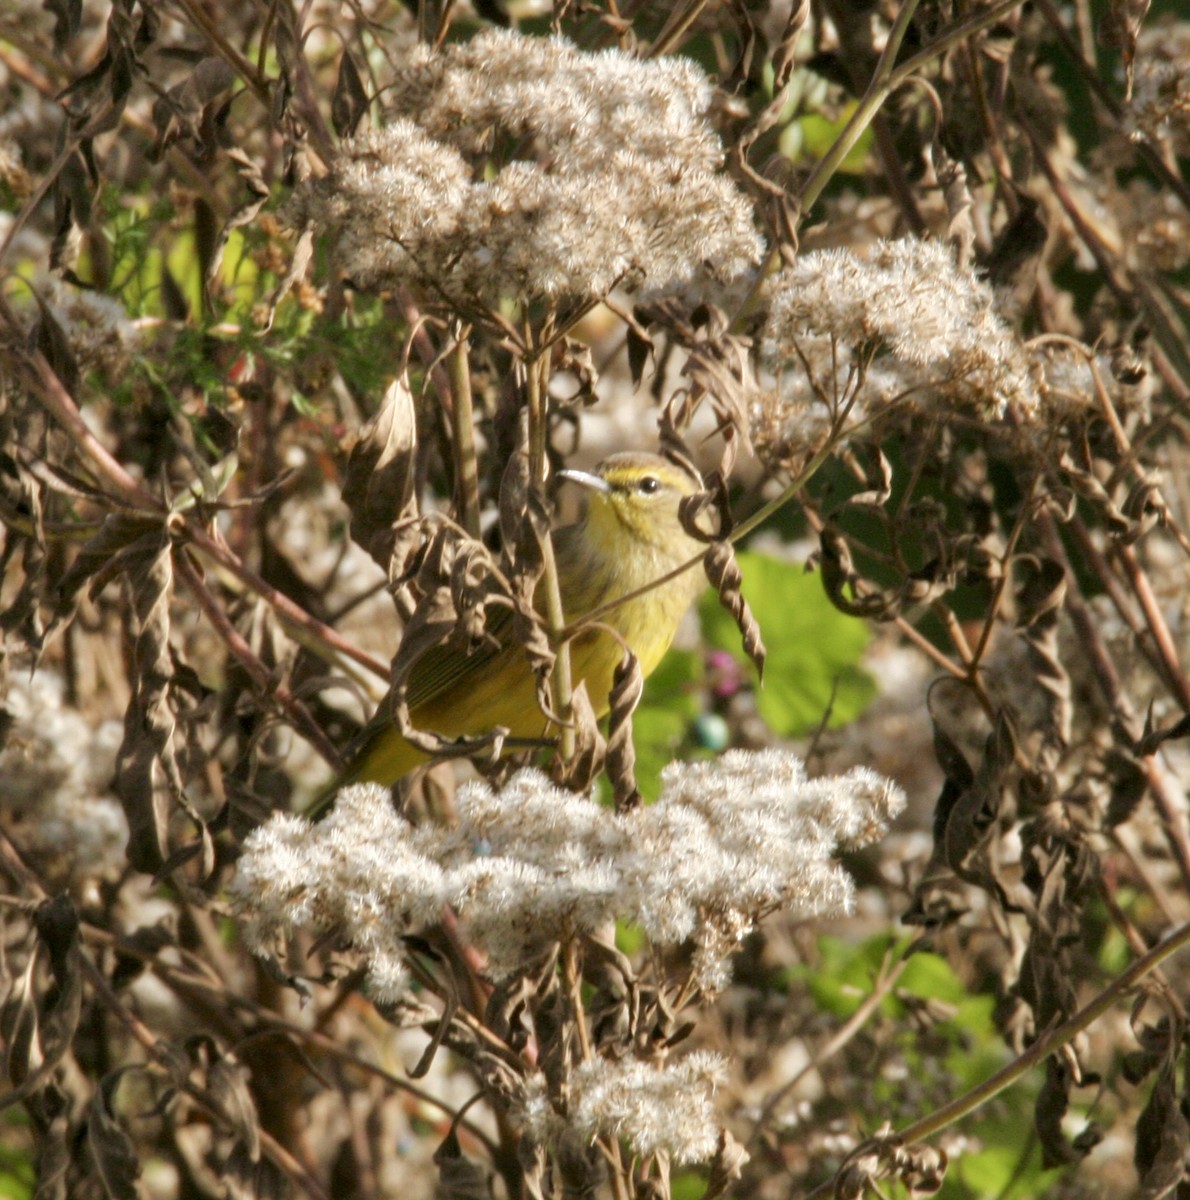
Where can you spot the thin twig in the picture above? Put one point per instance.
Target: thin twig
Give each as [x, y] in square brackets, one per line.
[239, 649]
[878, 91]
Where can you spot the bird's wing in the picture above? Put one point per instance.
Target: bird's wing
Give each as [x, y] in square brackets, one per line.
[439, 669]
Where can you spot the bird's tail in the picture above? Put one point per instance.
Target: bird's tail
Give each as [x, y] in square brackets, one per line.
[383, 756]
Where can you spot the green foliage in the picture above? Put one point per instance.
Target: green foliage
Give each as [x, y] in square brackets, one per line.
[942, 1036]
[813, 649]
[18, 1175]
[811, 136]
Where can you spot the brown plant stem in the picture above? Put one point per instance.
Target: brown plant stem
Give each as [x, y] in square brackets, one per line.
[1103, 94]
[885, 982]
[561, 686]
[260, 675]
[878, 91]
[1117, 701]
[1171, 667]
[48, 389]
[463, 423]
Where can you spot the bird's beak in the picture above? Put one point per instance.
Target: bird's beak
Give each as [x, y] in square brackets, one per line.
[595, 482]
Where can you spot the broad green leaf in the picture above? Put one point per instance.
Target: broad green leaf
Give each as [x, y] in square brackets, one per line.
[813, 649]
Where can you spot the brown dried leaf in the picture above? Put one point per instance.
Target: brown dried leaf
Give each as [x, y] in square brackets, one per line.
[727, 1166]
[1052, 1103]
[246, 1178]
[579, 771]
[50, 338]
[258, 196]
[302, 253]
[920, 1168]
[575, 358]
[964, 819]
[379, 480]
[524, 523]
[1152, 738]
[724, 573]
[147, 773]
[627, 688]
[1016, 254]
[179, 112]
[68, 19]
[1162, 1140]
[54, 1159]
[960, 229]
[1120, 27]
[1042, 591]
[844, 587]
[533, 1166]
[47, 1022]
[783, 56]
[349, 103]
[712, 499]
[460, 1178]
[1087, 487]
[228, 1084]
[641, 351]
[1039, 604]
[878, 478]
[111, 1148]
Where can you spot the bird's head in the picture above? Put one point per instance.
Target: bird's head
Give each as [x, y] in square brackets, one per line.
[634, 500]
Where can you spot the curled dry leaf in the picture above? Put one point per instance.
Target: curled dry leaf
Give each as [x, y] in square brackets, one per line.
[724, 573]
[1162, 1140]
[148, 779]
[111, 1148]
[578, 772]
[727, 1166]
[40, 1030]
[627, 688]
[349, 104]
[1040, 605]
[258, 196]
[179, 112]
[921, 1169]
[378, 482]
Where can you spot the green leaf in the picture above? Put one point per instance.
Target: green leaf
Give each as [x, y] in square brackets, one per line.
[813, 649]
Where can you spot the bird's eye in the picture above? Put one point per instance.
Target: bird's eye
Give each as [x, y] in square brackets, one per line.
[648, 485]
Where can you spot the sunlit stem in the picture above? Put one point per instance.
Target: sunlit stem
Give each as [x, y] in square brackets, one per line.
[463, 420]
[1050, 1042]
[536, 380]
[878, 91]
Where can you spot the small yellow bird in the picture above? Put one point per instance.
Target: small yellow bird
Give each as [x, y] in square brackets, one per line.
[629, 537]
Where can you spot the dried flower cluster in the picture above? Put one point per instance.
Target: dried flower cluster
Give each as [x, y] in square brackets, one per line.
[100, 333]
[533, 865]
[523, 166]
[1160, 103]
[56, 769]
[856, 331]
[655, 1109]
